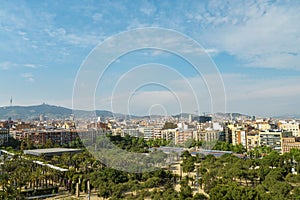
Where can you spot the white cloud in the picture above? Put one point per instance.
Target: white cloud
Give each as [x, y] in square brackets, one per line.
[83, 40]
[97, 17]
[147, 8]
[28, 77]
[30, 65]
[7, 65]
[22, 33]
[265, 35]
[211, 51]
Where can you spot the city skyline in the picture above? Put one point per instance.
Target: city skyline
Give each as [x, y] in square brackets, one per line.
[255, 46]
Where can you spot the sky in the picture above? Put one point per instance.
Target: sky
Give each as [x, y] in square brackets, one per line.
[252, 47]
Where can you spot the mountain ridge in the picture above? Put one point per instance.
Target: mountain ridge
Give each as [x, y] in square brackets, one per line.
[58, 112]
[49, 111]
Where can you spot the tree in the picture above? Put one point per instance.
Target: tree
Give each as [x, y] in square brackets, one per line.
[199, 196]
[188, 165]
[152, 182]
[185, 191]
[271, 160]
[49, 143]
[233, 191]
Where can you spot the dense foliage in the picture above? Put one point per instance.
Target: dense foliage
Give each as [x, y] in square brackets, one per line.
[265, 174]
[229, 177]
[225, 146]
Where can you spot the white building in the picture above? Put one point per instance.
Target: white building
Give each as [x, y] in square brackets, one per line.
[290, 126]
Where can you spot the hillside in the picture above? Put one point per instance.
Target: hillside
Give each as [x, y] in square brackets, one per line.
[58, 112]
[49, 111]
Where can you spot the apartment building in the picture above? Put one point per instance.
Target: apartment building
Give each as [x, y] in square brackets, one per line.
[157, 132]
[60, 137]
[168, 134]
[271, 138]
[262, 126]
[252, 140]
[182, 136]
[206, 135]
[291, 126]
[147, 131]
[239, 137]
[4, 134]
[289, 143]
[133, 132]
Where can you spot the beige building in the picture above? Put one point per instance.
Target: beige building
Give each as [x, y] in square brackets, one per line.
[289, 143]
[290, 126]
[157, 132]
[252, 140]
[262, 126]
[239, 137]
[182, 136]
[118, 131]
[168, 134]
[206, 135]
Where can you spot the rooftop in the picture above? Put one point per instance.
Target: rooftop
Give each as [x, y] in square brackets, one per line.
[50, 151]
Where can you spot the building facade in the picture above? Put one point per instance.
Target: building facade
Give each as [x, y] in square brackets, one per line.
[59, 137]
[252, 140]
[271, 139]
[289, 143]
[290, 126]
[4, 134]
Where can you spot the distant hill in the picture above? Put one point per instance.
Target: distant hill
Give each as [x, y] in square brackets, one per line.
[291, 116]
[32, 112]
[49, 111]
[182, 115]
[58, 112]
[229, 116]
[216, 116]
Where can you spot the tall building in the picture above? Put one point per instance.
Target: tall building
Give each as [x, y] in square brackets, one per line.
[202, 119]
[42, 118]
[228, 130]
[157, 132]
[239, 137]
[72, 118]
[4, 134]
[190, 118]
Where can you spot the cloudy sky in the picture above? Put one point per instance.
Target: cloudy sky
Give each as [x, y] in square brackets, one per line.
[253, 48]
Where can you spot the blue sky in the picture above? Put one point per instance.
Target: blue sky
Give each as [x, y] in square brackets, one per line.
[254, 44]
